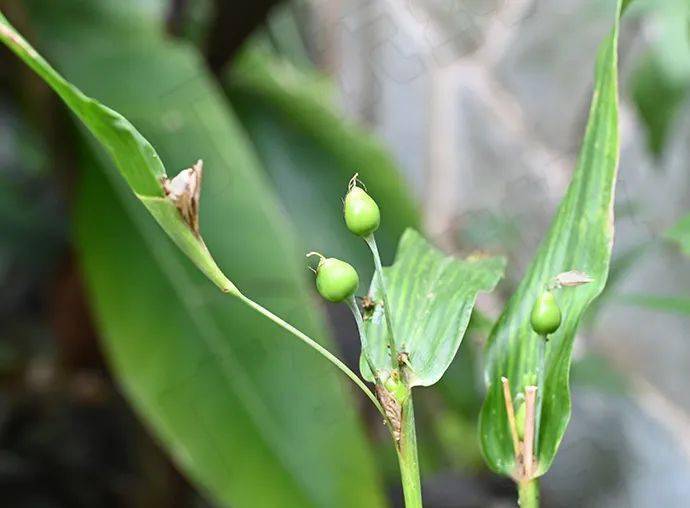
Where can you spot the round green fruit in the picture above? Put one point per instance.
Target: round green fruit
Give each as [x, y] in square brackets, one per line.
[546, 315]
[362, 214]
[336, 280]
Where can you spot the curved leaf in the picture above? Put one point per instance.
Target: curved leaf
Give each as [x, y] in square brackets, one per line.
[580, 238]
[249, 414]
[134, 156]
[431, 297]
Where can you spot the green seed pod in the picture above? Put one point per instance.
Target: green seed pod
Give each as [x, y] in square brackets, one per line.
[546, 315]
[336, 280]
[520, 414]
[362, 214]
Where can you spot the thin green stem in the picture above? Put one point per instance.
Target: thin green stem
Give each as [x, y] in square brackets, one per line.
[407, 458]
[354, 308]
[528, 493]
[315, 345]
[371, 242]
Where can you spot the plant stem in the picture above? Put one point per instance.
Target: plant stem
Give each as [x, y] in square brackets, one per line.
[371, 242]
[362, 335]
[407, 458]
[541, 372]
[528, 493]
[313, 344]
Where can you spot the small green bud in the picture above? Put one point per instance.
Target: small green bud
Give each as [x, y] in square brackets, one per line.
[336, 280]
[546, 315]
[396, 387]
[520, 414]
[362, 214]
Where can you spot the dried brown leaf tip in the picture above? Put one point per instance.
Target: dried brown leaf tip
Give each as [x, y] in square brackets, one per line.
[184, 191]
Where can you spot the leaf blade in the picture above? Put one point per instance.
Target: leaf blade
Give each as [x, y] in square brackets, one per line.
[580, 238]
[431, 296]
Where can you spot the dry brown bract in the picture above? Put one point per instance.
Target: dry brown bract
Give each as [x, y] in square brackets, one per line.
[393, 411]
[184, 190]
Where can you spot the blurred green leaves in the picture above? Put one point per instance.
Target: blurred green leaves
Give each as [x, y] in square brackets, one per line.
[251, 415]
[680, 233]
[431, 297]
[310, 151]
[661, 81]
[580, 238]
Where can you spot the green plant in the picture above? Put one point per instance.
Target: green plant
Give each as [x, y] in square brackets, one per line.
[175, 206]
[520, 363]
[184, 353]
[414, 315]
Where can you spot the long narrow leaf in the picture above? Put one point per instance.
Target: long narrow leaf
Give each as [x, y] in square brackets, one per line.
[580, 238]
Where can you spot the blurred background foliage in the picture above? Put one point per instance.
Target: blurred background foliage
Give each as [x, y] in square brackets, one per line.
[463, 118]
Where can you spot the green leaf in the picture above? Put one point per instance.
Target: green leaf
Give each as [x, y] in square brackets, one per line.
[661, 81]
[431, 298]
[672, 304]
[310, 152]
[134, 156]
[680, 233]
[580, 238]
[246, 411]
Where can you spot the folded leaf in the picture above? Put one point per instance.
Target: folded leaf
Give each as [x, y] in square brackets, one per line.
[431, 298]
[580, 238]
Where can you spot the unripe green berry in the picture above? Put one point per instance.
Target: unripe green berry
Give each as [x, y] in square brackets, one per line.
[546, 315]
[397, 388]
[362, 214]
[336, 280]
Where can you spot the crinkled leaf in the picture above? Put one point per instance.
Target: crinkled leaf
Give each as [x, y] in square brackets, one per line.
[134, 156]
[431, 298]
[580, 238]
